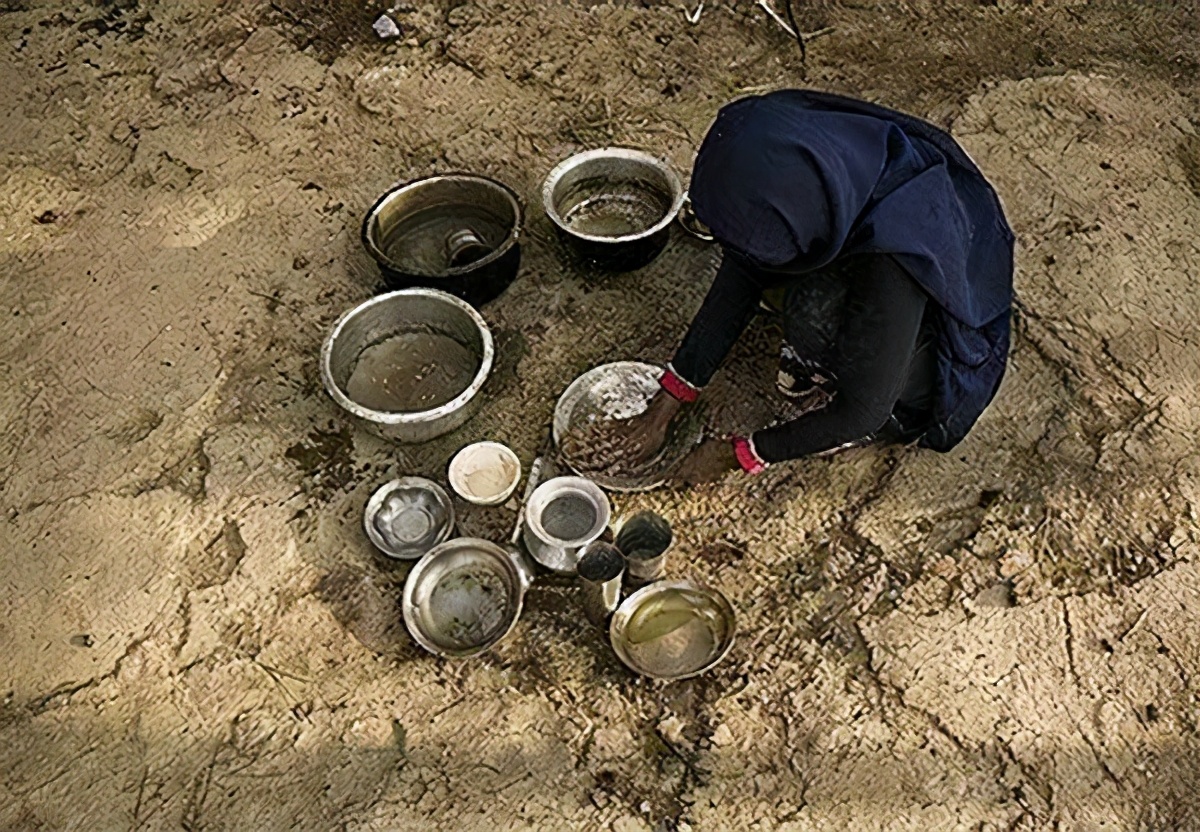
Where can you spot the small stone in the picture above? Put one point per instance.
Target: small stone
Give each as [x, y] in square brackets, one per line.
[998, 595]
[722, 736]
[386, 28]
[671, 729]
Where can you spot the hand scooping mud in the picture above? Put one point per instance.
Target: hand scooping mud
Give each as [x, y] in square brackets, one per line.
[622, 447]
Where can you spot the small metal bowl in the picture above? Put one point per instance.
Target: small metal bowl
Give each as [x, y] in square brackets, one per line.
[417, 312]
[485, 473]
[621, 391]
[563, 516]
[613, 205]
[405, 518]
[457, 232]
[464, 596]
[673, 630]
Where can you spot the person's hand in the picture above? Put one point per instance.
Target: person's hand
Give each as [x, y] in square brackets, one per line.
[638, 439]
[708, 463]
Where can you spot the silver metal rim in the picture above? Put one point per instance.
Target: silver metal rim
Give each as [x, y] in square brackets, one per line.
[561, 417]
[620, 152]
[376, 502]
[383, 260]
[408, 608]
[418, 417]
[579, 484]
[630, 604]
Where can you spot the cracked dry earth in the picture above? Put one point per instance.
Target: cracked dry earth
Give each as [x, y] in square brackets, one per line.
[194, 632]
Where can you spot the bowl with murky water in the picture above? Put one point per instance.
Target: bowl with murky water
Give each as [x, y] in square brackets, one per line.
[673, 630]
[464, 596]
[409, 364]
[407, 517]
[457, 232]
[614, 205]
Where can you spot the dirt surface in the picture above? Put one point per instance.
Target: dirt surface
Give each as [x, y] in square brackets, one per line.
[195, 633]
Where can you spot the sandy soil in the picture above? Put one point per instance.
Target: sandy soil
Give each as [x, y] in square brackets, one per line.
[194, 632]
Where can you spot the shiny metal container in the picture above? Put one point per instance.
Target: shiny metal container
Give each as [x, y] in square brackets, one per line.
[613, 205]
[620, 391]
[456, 232]
[405, 518]
[395, 313]
[643, 540]
[564, 515]
[673, 630]
[464, 596]
[600, 569]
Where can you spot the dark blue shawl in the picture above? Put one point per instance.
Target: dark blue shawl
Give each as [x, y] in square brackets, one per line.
[796, 179]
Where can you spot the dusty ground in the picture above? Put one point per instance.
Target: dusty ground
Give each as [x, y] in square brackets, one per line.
[194, 632]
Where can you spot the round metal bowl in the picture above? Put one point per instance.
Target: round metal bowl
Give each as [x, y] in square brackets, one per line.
[431, 315]
[621, 391]
[485, 473]
[457, 232]
[563, 516]
[405, 518]
[464, 596]
[673, 630]
[613, 205]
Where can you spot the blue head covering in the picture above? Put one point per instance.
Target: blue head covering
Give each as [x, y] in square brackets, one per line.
[795, 179]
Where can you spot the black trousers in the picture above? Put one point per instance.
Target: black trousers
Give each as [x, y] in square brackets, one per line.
[813, 311]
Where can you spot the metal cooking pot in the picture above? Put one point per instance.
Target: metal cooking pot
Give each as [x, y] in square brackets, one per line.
[464, 596]
[457, 232]
[563, 516]
[613, 205]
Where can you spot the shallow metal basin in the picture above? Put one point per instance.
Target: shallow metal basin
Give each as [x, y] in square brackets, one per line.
[386, 316]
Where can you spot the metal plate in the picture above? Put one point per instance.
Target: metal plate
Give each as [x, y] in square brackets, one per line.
[673, 630]
[619, 391]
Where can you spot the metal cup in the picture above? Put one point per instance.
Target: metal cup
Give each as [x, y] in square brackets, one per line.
[644, 539]
[601, 567]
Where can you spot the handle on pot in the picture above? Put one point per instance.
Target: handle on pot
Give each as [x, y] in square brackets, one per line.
[690, 223]
[525, 569]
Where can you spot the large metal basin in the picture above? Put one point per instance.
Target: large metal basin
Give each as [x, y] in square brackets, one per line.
[457, 232]
[425, 311]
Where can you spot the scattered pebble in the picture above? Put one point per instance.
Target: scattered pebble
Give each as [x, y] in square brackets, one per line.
[386, 28]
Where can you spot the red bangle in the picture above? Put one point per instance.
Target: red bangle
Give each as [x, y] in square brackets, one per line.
[678, 388]
[747, 457]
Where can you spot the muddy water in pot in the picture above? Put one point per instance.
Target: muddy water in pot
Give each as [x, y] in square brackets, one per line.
[439, 238]
[411, 371]
[601, 208]
[470, 606]
[569, 517]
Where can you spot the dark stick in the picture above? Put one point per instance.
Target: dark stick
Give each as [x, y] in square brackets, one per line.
[791, 16]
